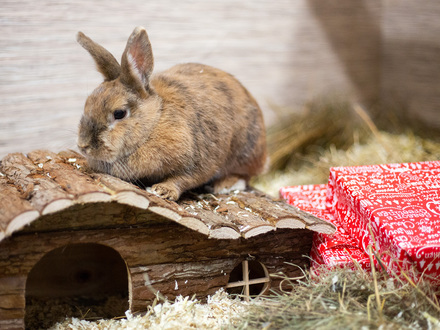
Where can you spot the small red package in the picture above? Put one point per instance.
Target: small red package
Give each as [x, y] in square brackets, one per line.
[338, 249]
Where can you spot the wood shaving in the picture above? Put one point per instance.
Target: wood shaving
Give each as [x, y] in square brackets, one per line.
[219, 311]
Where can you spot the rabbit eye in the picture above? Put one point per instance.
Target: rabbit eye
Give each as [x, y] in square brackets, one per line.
[119, 114]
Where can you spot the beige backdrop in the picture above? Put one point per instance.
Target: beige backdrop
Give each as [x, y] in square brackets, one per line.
[285, 52]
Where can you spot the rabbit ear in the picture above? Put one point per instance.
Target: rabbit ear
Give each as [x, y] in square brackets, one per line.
[105, 61]
[137, 61]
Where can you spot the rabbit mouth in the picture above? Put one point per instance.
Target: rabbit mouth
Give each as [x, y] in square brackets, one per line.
[99, 151]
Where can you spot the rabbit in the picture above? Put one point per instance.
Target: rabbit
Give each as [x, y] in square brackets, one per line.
[183, 128]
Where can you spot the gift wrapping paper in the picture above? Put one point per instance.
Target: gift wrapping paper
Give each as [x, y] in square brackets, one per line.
[338, 249]
[394, 208]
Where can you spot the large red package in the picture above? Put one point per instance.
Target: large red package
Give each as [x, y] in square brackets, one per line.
[338, 249]
[393, 208]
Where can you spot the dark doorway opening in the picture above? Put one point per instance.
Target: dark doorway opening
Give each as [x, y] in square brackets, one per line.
[86, 281]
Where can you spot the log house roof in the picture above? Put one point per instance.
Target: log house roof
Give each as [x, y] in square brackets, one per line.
[43, 183]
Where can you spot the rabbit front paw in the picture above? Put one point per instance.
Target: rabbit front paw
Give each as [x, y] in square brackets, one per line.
[166, 190]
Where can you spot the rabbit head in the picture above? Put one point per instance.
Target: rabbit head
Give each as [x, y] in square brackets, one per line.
[122, 110]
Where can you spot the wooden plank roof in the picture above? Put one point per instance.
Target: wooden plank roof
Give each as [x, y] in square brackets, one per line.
[42, 183]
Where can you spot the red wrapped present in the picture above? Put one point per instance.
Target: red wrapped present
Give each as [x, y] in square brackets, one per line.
[393, 208]
[338, 249]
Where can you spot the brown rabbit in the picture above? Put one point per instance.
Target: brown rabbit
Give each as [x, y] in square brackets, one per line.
[182, 128]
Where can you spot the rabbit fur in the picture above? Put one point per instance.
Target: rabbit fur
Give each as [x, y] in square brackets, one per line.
[179, 129]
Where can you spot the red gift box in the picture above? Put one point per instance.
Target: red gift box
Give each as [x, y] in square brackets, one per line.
[394, 208]
[338, 249]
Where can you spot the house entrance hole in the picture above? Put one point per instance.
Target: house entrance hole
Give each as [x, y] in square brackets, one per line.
[87, 281]
[249, 279]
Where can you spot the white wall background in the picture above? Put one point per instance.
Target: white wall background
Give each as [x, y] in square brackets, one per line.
[285, 52]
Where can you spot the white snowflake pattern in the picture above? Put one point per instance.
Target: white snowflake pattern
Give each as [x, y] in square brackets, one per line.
[426, 229]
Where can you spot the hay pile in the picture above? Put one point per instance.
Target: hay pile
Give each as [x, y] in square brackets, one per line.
[303, 148]
[377, 149]
[344, 299]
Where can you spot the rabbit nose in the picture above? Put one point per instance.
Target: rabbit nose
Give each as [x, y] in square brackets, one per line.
[84, 148]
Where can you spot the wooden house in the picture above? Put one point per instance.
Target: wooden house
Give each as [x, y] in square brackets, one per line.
[66, 233]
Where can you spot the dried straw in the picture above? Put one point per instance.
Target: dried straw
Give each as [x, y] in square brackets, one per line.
[320, 125]
[299, 157]
[346, 299]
